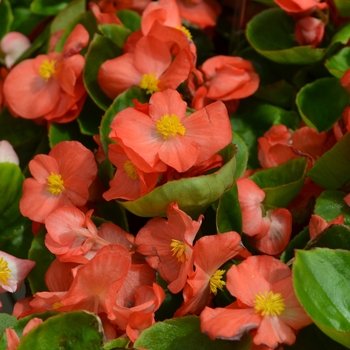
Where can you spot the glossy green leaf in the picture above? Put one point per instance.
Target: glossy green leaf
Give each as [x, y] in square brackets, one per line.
[25, 20]
[343, 7]
[271, 33]
[123, 101]
[43, 258]
[298, 242]
[282, 183]
[100, 50]
[321, 280]
[334, 237]
[117, 33]
[312, 338]
[119, 343]
[184, 333]
[130, 19]
[330, 204]
[48, 7]
[323, 172]
[339, 63]
[322, 103]
[18, 326]
[193, 195]
[63, 18]
[6, 17]
[241, 155]
[229, 214]
[342, 35]
[58, 332]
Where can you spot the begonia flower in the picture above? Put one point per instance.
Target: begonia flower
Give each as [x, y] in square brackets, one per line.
[109, 6]
[60, 178]
[210, 253]
[203, 13]
[309, 31]
[13, 45]
[13, 271]
[301, 7]
[317, 224]
[50, 86]
[73, 237]
[104, 18]
[150, 67]
[167, 245]
[7, 153]
[266, 303]
[342, 126]
[226, 78]
[165, 136]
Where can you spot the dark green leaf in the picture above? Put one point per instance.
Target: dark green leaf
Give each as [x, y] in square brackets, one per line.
[117, 33]
[90, 117]
[25, 20]
[184, 333]
[6, 17]
[271, 33]
[228, 214]
[130, 19]
[343, 7]
[241, 155]
[332, 170]
[322, 103]
[321, 282]
[100, 50]
[43, 258]
[282, 183]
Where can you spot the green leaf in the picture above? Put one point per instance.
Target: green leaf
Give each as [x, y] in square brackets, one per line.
[342, 35]
[130, 19]
[229, 214]
[119, 343]
[321, 282]
[184, 333]
[90, 117]
[334, 237]
[100, 50]
[343, 7]
[282, 183]
[241, 155]
[48, 7]
[6, 17]
[193, 195]
[330, 204]
[6, 321]
[116, 32]
[43, 258]
[339, 63]
[25, 20]
[123, 101]
[271, 33]
[312, 338]
[322, 103]
[63, 18]
[332, 170]
[78, 330]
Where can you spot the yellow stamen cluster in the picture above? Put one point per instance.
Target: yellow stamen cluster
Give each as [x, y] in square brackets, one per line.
[186, 31]
[130, 170]
[170, 125]
[55, 184]
[269, 304]
[179, 250]
[149, 82]
[216, 281]
[5, 272]
[47, 69]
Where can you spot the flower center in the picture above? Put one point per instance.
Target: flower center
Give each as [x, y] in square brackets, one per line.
[56, 305]
[179, 250]
[47, 69]
[186, 31]
[167, 126]
[216, 281]
[5, 272]
[55, 184]
[149, 82]
[130, 170]
[269, 304]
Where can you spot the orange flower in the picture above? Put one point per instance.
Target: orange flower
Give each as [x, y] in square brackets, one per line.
[266, 303]
[309, 31]
[165, 136]
[60, 178]
[301, 7]
[50, 86]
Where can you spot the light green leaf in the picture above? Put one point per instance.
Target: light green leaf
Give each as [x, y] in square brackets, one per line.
[322, 103]
[48, 7]
[339, 63]
[117, 33]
